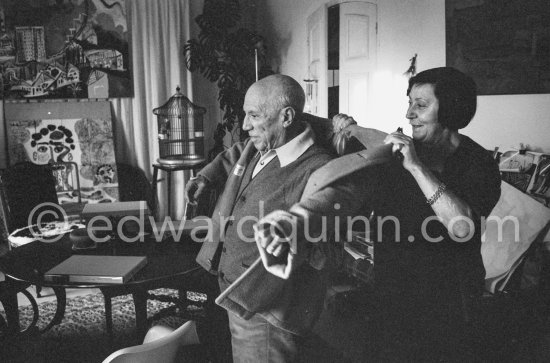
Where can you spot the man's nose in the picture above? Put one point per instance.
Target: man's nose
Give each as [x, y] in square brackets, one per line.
[246, 124]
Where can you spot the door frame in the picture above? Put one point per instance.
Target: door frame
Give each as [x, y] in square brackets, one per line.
[322, 78]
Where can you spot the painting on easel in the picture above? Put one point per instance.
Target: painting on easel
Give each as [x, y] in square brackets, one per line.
[64, 49]
[79, 150]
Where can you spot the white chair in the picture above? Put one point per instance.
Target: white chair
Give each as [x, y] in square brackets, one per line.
[161, 345]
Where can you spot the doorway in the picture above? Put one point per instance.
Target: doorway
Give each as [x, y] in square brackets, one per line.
[342, 48]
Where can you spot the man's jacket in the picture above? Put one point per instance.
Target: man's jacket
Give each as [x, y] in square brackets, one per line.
[296, 303]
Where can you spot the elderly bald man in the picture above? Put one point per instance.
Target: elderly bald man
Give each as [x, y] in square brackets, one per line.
[266, 172]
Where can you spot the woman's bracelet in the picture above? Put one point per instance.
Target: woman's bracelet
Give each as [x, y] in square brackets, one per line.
[440, 189]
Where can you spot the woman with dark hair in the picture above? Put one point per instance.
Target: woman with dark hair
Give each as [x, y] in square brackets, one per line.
[429, 201]
[445, 184]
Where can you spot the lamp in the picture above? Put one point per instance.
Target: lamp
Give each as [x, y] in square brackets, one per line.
[180, 131]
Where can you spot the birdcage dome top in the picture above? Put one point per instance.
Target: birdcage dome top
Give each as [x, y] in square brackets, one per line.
[178, 105]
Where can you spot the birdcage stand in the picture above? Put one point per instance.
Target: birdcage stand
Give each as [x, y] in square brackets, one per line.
[193, 166]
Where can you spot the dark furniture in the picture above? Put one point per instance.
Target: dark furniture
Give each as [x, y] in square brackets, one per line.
[23, 187]
[168, 264]
[133, 185]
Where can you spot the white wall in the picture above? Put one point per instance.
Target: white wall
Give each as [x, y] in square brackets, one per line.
[404, 28]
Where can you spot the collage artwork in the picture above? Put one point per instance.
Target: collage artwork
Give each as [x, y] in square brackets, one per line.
[80, 151]
[67, 56]
[64, 49]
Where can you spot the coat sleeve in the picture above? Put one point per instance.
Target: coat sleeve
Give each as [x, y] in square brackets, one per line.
[218, 169]
[325, 208]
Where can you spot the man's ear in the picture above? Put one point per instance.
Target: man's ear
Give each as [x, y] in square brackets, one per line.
[289, 115]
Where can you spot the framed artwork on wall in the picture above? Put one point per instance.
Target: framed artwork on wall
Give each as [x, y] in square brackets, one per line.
[503, 44]
[64, 49]
[75, 138]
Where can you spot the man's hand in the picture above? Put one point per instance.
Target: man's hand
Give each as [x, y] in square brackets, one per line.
[276, 240]
[194, 188]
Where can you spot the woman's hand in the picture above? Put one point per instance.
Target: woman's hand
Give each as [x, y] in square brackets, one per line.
[404, 145]
[341, 121]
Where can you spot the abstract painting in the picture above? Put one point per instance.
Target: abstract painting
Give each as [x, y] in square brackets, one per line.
[80, 151]
[64, 49]
[503, 44]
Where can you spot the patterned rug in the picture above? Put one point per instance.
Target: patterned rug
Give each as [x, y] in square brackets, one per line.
[81, 336]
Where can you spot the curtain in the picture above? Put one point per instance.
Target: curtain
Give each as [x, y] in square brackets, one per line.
[159, 30]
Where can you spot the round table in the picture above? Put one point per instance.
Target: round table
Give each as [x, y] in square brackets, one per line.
[168, 265]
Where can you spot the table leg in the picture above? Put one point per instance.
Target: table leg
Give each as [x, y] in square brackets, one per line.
[108, 315]
[140, 304]
[10, 302]
[31, 328]
[61, 298]
[11, 308]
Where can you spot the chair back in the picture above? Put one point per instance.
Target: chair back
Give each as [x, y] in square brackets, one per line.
[133, 185]
[163, 349]
[24, 186]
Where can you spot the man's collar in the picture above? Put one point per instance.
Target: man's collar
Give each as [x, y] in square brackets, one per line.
[293, 149]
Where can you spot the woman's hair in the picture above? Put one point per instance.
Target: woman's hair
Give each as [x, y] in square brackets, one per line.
[456, 92]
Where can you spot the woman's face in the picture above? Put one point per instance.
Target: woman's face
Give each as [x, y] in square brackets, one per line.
[422, 114]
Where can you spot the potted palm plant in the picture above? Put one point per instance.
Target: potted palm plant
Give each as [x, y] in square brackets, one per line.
[228, 55]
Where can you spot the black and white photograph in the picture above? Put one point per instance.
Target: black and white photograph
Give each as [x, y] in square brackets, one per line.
[274, 181]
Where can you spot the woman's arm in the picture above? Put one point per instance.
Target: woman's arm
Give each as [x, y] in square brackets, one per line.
[455, 214]
[452, 211]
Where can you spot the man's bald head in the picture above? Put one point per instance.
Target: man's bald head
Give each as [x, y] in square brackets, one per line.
[280, 91]
[272, 107]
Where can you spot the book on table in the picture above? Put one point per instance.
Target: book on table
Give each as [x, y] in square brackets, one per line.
[96, 269]
[133, 218]
[116, 209]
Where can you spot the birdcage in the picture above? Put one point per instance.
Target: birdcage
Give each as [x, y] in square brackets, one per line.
[180, 130]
